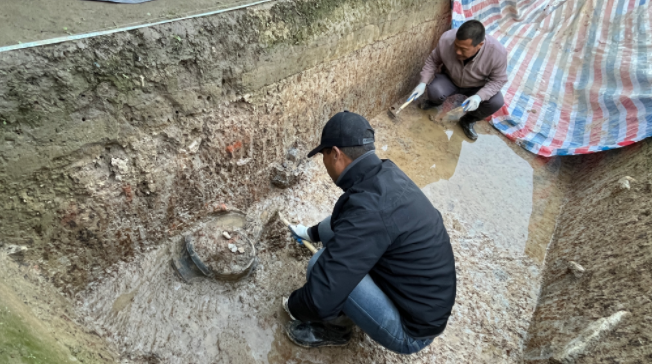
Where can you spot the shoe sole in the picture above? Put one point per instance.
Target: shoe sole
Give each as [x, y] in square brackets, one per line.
[468, 136]
[311, 347]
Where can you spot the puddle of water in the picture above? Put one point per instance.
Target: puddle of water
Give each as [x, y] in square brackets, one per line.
[497, 186]
[425, 150]
[492, 189]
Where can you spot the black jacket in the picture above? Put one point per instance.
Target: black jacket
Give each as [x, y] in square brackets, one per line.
[386, 227]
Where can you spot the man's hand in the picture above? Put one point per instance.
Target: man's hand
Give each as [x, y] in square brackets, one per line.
[472, 103]
[418, 91]
[299, 233]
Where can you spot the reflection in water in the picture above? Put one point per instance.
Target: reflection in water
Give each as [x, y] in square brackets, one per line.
[491, 189]
[425, 150]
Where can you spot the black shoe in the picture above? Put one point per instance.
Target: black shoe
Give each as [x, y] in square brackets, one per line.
[427, 105]
[467, 127]
[316, 334]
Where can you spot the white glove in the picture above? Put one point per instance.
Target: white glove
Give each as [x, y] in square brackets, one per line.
[301, 232]
[472, 103]
[417, 92]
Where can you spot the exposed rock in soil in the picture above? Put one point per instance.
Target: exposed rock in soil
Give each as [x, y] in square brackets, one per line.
[284, 176]
[293, 155]
[219, 255]
[576, 269]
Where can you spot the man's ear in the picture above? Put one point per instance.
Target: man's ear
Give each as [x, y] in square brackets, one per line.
[337, 153]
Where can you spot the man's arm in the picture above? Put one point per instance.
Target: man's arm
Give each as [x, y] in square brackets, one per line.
[433, 63]
[358, 244]
[497, 79]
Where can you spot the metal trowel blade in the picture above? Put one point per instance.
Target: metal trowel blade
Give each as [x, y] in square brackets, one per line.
[393, 111]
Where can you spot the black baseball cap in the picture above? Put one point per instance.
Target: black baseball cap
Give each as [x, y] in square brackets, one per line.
[344, 129]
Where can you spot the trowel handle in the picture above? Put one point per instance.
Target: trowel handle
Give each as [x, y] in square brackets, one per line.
[404, 105]
[307, 244]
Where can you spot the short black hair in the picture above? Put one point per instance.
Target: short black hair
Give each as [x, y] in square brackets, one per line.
[473, 30]
[357, 151]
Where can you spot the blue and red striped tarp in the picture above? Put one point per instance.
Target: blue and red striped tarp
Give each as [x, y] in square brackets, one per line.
[580, 71]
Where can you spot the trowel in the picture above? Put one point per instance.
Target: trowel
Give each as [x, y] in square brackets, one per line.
[393, 111]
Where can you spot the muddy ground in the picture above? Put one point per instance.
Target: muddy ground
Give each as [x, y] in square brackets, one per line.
[491, 194]
[114, 144]
[29, 21]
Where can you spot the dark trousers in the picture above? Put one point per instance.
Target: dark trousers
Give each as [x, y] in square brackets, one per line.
[442, 87]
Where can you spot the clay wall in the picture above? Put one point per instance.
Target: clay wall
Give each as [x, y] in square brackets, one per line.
[595, 304]
[110, 145]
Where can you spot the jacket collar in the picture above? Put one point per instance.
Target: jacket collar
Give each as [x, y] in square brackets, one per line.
[477, 55]
[480, 51]
[358, 170]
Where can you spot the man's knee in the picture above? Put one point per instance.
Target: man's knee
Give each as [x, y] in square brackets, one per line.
[494, 103]
[437, 92]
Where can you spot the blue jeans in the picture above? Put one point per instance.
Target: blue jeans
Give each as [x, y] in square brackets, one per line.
[370, 308]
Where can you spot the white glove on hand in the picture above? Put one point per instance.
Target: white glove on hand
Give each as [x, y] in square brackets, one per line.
[301, 232]
[418, 91]
[286, 308]
[472, 103]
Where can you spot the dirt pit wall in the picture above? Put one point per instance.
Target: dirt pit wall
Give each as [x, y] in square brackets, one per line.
[110, 145]
[595, 300]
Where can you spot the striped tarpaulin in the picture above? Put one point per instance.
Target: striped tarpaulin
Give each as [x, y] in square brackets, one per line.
[580, 71]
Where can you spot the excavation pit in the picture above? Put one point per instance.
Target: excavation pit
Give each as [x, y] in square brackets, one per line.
[117, 147]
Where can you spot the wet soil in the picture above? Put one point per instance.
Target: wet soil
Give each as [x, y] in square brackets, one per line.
[28, 21]
[427, 151]
[276, 236]
[213, 321]
[217, 251]
[495, 183]
[491, 193]
[218, 255]
[500, 206]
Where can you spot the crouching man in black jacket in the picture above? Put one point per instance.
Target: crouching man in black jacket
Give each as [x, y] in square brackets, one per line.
[387, 264]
